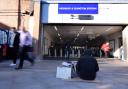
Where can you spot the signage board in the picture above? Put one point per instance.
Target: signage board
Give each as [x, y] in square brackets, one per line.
[80, 8]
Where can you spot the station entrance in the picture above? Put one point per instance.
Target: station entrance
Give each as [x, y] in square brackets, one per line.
[71, 40]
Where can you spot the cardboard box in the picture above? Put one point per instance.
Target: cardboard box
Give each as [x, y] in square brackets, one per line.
[64, 72]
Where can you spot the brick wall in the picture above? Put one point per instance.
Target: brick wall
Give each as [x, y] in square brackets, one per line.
[13, 13]
[9, 12]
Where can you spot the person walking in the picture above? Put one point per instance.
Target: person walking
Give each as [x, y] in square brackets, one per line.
[14, 45]
[106, 48]
[25, 47]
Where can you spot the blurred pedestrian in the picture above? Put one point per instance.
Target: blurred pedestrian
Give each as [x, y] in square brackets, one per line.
[25, 47]
[106, 49]
[14, 40]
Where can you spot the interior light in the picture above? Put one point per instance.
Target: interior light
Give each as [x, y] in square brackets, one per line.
[58, 34]
[109, 29]
[55, 28]
[82, 28]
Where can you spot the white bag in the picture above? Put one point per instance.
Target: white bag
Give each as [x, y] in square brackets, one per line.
[64, 72]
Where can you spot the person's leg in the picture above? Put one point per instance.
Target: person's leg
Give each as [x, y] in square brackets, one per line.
[30, 58]
[22, 55]
[14, 60]
[16, 54]
[21, 63]
[106, 54]
[12, 55]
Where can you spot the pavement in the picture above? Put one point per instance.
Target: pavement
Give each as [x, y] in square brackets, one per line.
[113, 74]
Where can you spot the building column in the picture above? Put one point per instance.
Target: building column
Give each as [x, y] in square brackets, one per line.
[36, 30]
[125, 44]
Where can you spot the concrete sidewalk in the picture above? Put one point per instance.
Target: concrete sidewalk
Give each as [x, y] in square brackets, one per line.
[113, 74]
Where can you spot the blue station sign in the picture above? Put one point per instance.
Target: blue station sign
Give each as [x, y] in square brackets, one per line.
[81, 8]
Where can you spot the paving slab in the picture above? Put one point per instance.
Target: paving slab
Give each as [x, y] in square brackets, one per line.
[113, 74]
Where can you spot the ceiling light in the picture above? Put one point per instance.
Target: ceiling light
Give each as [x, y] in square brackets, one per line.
[82, 28]
[109, 29]
[55, 28]
[58, 34]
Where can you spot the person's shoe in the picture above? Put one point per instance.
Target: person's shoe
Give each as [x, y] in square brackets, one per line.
[18, 68]
[12, 64]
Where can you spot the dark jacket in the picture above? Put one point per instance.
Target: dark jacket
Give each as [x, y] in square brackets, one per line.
[16, 40]
[87, 66]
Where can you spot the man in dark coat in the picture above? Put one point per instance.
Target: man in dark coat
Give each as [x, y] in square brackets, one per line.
[14, 50]
[87, 66]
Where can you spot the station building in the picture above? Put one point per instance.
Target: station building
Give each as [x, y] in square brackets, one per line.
[85, 23]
